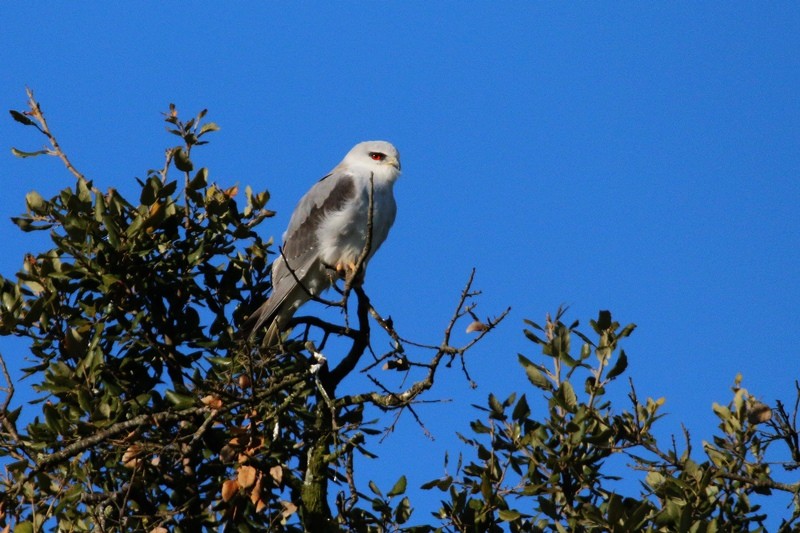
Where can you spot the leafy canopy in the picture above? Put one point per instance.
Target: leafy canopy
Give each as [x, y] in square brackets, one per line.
[152, 415]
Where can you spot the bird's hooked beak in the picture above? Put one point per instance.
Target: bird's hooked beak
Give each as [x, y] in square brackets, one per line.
[391, 160]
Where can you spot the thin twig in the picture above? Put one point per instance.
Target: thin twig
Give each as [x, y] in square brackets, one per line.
[365, 251]
[9, 390]
[36, 112]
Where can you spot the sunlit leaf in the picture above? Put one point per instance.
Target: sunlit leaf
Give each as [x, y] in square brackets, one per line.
[24, 527]
[20, 153]
[535, 376]
[208, 127]
[374, 488]
[398, 488]
[508, 515]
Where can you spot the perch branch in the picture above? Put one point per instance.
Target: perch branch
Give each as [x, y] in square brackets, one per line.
[399, 400]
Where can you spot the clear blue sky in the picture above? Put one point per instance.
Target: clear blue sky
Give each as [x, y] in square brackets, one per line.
[640, 158]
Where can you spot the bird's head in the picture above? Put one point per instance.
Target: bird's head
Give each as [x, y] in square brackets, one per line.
[378, 157]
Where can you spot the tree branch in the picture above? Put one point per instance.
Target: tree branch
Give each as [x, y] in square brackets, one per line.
[360, 342]
[36, 112]
[9, 390]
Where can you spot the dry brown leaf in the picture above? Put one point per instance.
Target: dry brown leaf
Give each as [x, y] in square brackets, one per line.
[246, 476]
[476, 325]
[244, 381]
[130, 459]
[277, 474]
[187, 466]
[239, 431]
[759, 413]
[229, 488]
[255, 495]
[212, 401]
[159, 529]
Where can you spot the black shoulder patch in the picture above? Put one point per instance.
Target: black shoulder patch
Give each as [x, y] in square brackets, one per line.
[304, 237]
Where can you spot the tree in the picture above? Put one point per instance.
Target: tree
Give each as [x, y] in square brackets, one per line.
[154, 416]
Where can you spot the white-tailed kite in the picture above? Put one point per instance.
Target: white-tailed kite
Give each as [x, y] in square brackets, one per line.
[328, 231]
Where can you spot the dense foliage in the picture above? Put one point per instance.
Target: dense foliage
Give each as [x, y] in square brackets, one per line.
[152, 415]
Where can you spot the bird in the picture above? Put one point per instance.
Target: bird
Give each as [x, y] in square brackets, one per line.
[327, 234]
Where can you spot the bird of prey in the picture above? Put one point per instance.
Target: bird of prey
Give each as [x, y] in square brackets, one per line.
[328, 232]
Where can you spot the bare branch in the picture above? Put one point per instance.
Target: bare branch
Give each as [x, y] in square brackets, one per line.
[36, 112]
[9, 390]
[360, 343]
[400, 400]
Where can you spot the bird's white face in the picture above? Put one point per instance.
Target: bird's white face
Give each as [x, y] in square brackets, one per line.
[377, 157]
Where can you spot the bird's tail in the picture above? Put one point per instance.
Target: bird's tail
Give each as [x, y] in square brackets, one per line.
[263, 315]
[275, 314]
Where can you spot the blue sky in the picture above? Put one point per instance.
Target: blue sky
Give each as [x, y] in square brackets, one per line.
[642, 158]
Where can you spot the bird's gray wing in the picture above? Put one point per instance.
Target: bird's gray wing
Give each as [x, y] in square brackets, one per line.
[328, 195]
[300, 247]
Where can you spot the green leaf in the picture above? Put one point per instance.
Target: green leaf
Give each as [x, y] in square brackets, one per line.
[602, 323]
[522, 410]
[479, 427]
[536, 377]
[150, 191]
[442, 484]
[220, 361]
[35, 202]
[20, 153]
[508, 515]
[626, 331]
[112, 231]
[21, 118]
[655, 479]
[207, 127]
[168, 189]
[196, 255]
[200, 179]
[567, 394]
[496, 408]
[533, 337]
[403, 511]
[182, 161]
[399, 487]
[586, 351]
[533, 324]
[721, 411]
[374, 488]
[24, 527]
[619, 366]
[180, 401]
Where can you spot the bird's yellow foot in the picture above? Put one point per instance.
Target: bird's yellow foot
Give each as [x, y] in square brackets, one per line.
[345, 270]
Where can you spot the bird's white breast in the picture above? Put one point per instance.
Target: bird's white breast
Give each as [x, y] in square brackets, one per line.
[342, 234]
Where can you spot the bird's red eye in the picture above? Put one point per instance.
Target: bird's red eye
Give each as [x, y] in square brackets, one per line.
[377, 156]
